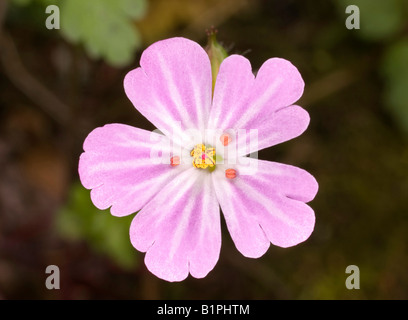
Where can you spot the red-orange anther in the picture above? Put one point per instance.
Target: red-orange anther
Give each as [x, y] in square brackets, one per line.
[230, 173]
[225, 139]
[174, 161]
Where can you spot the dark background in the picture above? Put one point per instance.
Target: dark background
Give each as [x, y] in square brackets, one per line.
[56, 87]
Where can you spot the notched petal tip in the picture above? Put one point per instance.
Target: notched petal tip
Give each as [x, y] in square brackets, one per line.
[292, 121]
[180, 228]
[117, 165]
[288, 71]
[313, 187]
[301, 233]
[268, 207]
[172, 87]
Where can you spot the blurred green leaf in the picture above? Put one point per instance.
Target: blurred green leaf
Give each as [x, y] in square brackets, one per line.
[21, 2]
[379, 19]
[81, 220]
[395, 70]
[43, 2]
[104, 27]
[395, 63]
[135, 9]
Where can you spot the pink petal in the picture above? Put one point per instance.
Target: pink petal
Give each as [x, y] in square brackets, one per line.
[180, 228]
[244, 102]
[121, 164]
[266, 206]
[285, 124]
[172, 88]
[232, 88]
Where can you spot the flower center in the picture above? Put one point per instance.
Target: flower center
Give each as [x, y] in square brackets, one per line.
[203, 157]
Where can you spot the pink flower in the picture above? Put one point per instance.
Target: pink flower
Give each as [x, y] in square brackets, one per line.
[179, 183]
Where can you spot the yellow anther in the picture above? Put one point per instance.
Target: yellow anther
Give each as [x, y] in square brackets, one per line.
[203, 157]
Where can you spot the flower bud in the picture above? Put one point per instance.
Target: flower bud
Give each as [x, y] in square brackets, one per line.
[216, 53]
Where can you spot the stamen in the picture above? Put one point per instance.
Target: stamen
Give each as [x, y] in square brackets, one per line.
[174, 161]
[203, 156]
[225, 139]
[230, 173]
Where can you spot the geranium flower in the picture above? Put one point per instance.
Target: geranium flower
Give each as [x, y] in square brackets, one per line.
[180, 178]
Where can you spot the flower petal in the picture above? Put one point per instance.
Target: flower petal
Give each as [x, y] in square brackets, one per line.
[232, 88]
[173, 86]
[124, 167]
[244, 102]
[285, 124]
[180, 228]
[267, 205]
